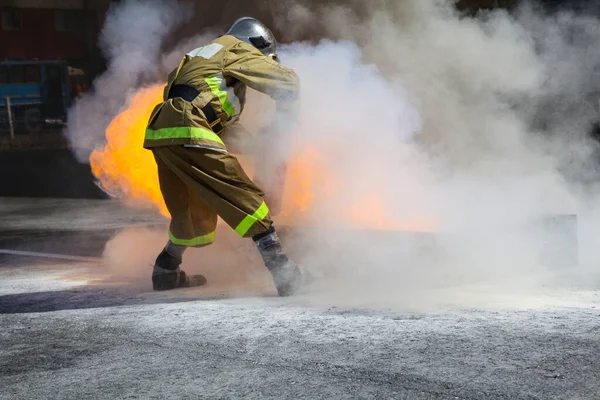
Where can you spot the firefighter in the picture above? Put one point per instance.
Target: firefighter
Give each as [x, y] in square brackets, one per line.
[199, 178]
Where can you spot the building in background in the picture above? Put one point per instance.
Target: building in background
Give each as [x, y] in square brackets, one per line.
[48, 56]
[64, 30]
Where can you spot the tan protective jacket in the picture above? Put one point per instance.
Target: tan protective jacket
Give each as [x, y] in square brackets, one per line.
[220, 71]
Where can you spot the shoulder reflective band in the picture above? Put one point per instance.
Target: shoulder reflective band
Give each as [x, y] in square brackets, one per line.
[197, 241]
[183, 132]
[206, 52]
[247, 222]
[229, 101]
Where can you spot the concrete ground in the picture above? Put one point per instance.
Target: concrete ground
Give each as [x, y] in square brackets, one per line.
[89, 326]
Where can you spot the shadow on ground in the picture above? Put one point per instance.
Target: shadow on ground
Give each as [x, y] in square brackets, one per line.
[92, 297]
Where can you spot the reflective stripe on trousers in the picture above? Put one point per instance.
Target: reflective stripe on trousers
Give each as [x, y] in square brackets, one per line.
[244, 226]
[197, 241]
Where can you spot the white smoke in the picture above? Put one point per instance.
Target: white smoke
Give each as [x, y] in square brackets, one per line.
[473, 123]
[131, 41]
[473, 156]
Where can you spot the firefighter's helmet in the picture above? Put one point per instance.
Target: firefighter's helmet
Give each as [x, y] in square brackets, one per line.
[255, 33]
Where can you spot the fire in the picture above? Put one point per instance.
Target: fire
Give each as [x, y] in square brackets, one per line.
[371, 212]
[125, 168]
[305, 176]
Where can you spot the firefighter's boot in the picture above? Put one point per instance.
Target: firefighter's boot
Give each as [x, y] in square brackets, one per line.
[167, 274]
[287, 275]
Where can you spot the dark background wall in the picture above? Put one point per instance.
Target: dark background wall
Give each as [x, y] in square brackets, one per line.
[46, 173]
[53, 30]
[41, 165]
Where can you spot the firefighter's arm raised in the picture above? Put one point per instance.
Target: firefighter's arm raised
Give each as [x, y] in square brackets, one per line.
[246, 64]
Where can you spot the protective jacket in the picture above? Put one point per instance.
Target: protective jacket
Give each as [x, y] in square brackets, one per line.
[207, 92]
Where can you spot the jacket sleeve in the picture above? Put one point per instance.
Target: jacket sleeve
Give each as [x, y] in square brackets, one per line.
[246, 64]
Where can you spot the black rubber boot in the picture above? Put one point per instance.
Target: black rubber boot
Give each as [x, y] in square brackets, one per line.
[287, 275]
[167, 275]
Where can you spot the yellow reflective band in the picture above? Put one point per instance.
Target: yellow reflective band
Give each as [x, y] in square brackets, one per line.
[183, 132]
[214, 84]
[247, 222]
[197, 241]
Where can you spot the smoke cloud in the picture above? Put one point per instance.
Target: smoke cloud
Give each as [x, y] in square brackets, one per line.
[131, 41]
[415, 116]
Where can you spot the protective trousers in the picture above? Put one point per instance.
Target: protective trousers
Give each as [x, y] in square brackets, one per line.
[198, 184]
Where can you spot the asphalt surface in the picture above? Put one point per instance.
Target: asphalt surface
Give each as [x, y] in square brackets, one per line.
[94, 329]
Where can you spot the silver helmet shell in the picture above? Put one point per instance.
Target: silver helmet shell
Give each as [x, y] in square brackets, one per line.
[255, 33]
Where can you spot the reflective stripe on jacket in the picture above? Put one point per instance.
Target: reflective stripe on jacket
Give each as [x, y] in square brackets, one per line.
[220, 71]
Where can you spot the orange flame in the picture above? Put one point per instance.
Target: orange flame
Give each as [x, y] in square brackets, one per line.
[125, 168]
